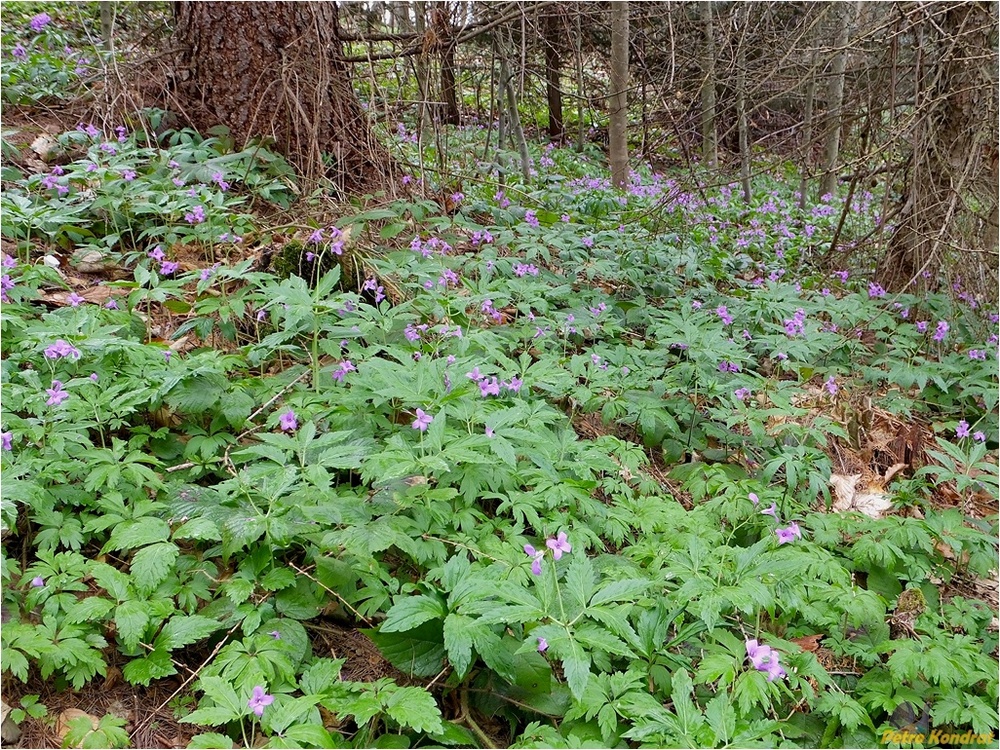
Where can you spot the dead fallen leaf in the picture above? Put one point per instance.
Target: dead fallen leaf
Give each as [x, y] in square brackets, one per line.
[872, 501]
[808, 642]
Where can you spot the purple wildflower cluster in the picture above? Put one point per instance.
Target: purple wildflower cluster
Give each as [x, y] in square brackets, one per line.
[788, 534]
[428, 248]
[61, 349]
[525, 269]
[423, 421]
[167, 267]
[559, 544]
[795, 325]
[490, 385]
[336, 240]
[371, 285]
[341, 370]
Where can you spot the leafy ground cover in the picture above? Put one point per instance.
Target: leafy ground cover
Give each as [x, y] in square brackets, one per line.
[532, 464]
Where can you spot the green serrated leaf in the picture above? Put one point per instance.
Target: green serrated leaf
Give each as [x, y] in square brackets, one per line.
[458, 641]
[131, 619]
[183, 630]
[151, 565]
[409, 612]
[415, 708]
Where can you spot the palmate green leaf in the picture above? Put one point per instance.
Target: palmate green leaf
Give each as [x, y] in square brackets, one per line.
[131, 619]
[419, 652]
[576, 666]
[134, 534]
[151, 565]
[626, 590]
[153, 666]
[721, 718]
[211, 741]
[850, 713]
[580, 584]
[458, 641]
[89, 609]
[409, 612]
[183, 630]
[415, 708]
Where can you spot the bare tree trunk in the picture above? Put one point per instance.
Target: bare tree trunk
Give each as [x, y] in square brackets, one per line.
[449, 98]
[807, 138]
[741, 103]
[835, 100]
[553, 71]
[513, 117]
[580, 95]
[709, 134]
[954, 152]
[274, 70]
[619, 94]
[107, 24]
[424, 114]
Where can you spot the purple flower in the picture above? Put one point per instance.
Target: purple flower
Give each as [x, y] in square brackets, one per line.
[259, 700]
[772, 511]
[94, 377]
[942, 330]
[457, 197]
[564, 217]
[196, 215]
[514, 384]
[789, 534]
[61, 349]
[288, 421]
[276, 634]
[128, 175]
[922, 326]
[741, 393]
[753, 498]
[962, 430]
[875, 290]
[765, 659]
[37, 582]
[543, 645]
[19, 52]
[530, 219]
[723, 312]
[40, 21]
[9, 261]
[7, 441]
[831, 386]
[111, 305]
[342, 369]
[558, 545]
[979, 436]
[536, 561]
[587, 241]
[75, 300]
[411, 333]
[696, 304]
[169, 267]
[489, 387]
[157, 254]
[423, 421]
[56, 393]
[842, 275]
[489, 433]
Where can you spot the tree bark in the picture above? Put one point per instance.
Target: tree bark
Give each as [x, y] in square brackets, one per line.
[954, 154]
[709, 134]
[553, 73]
[741, 103]
[807, 139]
[446, 43]
[273, 70]
[107, 24]
[835, 100]
[619, 94]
